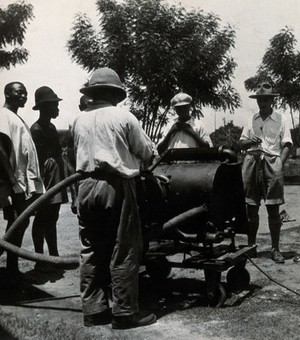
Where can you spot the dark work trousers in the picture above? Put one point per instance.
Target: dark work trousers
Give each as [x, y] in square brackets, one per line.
[111, 245]
[11, 213]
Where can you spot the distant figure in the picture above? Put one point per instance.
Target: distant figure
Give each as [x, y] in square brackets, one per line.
[187, 132]
[267, 141]
[20, 180]
[49, 151]
[110, 143]
[84, 102]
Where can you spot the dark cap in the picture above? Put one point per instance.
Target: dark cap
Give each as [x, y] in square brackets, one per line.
[44, 94]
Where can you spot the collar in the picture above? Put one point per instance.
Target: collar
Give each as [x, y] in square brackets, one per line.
[98, 104]
[189, 121]
[272, 116]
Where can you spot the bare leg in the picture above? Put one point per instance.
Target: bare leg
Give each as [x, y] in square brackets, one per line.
[252, 211]
[274, 224]
[50, 231]
[38, 231]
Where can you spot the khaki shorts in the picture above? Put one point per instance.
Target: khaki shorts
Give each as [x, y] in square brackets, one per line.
[263, 179]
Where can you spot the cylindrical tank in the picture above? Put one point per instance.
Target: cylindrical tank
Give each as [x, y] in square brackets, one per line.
[176, 186]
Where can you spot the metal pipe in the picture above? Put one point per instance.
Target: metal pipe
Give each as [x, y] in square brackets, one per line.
[184, 218]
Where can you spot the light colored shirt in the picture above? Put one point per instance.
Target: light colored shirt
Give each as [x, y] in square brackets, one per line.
[181, 139]
[23, 156]
[110, 138]
[274, 132]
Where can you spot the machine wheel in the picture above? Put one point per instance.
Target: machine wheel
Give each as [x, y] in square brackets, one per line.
[238, 278]
[158, 269]
[217, 300]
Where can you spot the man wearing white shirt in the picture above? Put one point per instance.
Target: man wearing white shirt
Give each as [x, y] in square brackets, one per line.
[267, 141]
[20, 179]
[186, 132]
[110, 143]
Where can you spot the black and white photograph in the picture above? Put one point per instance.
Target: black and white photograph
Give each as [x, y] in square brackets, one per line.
[149, 169]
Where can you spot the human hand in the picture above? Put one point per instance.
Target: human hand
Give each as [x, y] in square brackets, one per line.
[187, 128]
[49, 163]
[74, 208]
[17, 189]
[175, 127]
[256, 140]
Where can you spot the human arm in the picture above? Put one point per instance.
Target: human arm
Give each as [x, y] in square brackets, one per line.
[8, 172]
[249, 142]
[248, 139]
[139, 143]
[285, 152]
[163, 145]
[188, 129]
[39, 142]
[286, 141]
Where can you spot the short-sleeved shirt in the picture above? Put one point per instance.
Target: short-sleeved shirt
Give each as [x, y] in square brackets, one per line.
[262, 166]
[111, 139]
[274, 132]
[181, 139]
[21, 152]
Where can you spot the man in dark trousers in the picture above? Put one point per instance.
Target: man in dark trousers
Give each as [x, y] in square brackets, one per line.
[20, 180]
[46, 139]
[110, 143]
[267, 141]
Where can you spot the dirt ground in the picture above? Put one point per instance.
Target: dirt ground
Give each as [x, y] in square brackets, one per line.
[47, 306]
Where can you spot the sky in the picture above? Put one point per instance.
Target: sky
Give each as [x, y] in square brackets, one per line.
[255, 23]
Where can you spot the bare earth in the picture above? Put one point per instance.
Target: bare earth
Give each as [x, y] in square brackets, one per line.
[50, 307]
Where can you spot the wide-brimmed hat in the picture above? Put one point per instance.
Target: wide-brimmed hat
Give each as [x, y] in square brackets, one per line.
[44, 94]
[264, 90]
[104, 78]
[181, 99]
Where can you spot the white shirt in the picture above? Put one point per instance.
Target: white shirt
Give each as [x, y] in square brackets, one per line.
[110, 138]
[274, 132]
[23, 156]
[181, 139]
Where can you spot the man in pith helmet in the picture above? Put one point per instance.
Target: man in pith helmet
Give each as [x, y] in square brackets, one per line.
[110, 143]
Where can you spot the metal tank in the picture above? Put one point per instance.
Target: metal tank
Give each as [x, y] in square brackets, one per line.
[184, 179]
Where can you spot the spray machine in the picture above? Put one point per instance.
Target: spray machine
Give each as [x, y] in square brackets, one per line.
[192, 203]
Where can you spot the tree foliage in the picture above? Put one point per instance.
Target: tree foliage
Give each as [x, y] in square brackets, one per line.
[159, 50]
[281, 66]
[227, 135]
[13, 24]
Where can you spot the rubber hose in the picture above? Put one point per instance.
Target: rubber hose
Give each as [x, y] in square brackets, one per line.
[37, 257]
[4, 243]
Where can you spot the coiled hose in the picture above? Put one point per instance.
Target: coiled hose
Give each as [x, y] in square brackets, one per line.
[37, 257]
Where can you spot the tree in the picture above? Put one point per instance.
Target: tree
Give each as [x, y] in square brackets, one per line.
[281, 66]
[159, 50]
[13, 24]
[227, 135]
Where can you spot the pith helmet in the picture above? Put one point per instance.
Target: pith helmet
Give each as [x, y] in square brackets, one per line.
[264, 90]
[104, 77]
[181, 99]
[44, 94]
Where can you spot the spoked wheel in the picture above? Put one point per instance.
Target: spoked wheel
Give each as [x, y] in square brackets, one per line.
[238, 278]
[158, 269]
[218, 298]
